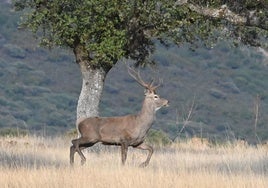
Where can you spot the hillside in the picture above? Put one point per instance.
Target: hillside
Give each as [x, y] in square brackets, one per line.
[39, 88]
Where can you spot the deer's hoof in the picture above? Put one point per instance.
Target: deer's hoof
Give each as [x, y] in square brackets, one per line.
[143, 165]
[72, 163]
[83, 162]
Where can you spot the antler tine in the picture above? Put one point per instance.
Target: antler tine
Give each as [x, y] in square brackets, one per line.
[136, 75]
[151, 83]
[155, 87]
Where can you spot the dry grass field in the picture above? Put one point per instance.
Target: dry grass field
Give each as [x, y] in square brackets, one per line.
[44, 162]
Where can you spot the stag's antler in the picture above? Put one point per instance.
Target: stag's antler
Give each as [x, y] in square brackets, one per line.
[136, 75]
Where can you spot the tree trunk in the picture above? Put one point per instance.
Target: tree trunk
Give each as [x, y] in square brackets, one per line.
[92, 86]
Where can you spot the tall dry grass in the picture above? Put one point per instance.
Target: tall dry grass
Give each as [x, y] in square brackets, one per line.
[43, 162]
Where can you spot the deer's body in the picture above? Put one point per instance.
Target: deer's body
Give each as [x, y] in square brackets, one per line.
[129, 130]
[100, 129]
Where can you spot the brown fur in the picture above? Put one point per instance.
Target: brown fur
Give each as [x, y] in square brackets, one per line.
[129, 130]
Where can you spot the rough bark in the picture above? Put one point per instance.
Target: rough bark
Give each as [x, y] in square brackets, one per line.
[92, 86]
[248, 19]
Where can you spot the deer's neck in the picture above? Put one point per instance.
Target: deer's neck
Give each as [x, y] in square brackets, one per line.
[146, 115]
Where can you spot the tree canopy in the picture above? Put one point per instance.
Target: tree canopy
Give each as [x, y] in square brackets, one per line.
[106, 31]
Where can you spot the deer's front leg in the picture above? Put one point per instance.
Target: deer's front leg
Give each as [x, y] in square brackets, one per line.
[144, 146]
[124, 149]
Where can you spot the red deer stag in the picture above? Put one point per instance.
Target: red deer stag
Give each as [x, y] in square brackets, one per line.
[124, 131]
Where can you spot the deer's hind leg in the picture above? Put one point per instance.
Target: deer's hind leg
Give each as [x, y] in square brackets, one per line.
[78, 145]
[72, 152]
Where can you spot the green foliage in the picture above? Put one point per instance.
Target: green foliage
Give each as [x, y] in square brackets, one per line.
[105, 31]
[217, 93]
[98, 28]
[13, 132]
[157, 138]
[72, 133]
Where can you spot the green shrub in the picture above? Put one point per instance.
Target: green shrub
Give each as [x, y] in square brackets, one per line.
[72, 133]
[15, 51]
[158, 138]
[217, 93]
[3, 101]
[23, 66]
[13, 132]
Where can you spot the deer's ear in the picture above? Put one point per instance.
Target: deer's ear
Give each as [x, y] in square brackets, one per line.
[148, 92]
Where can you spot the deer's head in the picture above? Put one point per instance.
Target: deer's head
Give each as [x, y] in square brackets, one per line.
[153, 100]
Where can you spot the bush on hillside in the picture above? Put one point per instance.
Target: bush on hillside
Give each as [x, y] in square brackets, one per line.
[15, 51]
[158, 138]
[13, 132]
